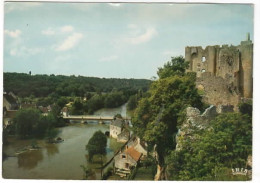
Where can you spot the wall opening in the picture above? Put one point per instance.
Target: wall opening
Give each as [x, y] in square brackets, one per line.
[203, 59]
[203, 70]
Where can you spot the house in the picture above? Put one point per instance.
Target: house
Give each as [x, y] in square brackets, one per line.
[139, 146]
[8, 117]
[10, 102]
[123, 136]
[65, 111]
[125, 161]
[44, 110]
[116, 127]
[27, 105]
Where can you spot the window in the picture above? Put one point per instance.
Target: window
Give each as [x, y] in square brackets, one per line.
[203, 59]
[123, 156]
[203, 70]
[127, 165]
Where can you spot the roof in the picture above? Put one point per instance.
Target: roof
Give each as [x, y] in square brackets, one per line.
[43, 109]
[25, 105]
[118, 122]
[10, 99]
[10, 114]
[64, 109]
[133, 153]
[124, 133]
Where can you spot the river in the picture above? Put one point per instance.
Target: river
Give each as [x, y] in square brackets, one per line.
[62, 160]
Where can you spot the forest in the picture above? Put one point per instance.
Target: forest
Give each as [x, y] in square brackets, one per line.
[25, 85]
[87, 94]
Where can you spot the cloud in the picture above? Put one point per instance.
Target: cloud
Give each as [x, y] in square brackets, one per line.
[24, 51]
[48, 32]
[13, 34]
[20, 6]
[144, 37]
[109, 58]
[67, 28]
[70, 42]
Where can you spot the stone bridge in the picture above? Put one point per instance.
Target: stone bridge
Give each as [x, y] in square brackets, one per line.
[83, 118]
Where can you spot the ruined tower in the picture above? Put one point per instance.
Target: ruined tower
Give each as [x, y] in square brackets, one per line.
[228, 66]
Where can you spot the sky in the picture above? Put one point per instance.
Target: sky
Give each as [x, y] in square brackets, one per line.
[114, 40]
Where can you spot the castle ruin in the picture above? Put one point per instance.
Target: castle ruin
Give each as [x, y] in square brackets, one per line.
[224, 73]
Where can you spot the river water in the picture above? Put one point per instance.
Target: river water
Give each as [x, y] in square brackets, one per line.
[62, 160]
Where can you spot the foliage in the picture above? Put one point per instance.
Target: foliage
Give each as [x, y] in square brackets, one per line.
[246, 108]
[87, 171]
[157, 116]
[96, 144]
[176, 66]
[30, 123]
[207, 154]
[25, 85]
[108, 173]
[118, 116]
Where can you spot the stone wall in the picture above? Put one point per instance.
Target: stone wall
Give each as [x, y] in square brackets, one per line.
[225, 72]
[217, 90]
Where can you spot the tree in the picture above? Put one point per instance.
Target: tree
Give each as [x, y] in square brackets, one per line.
[26, 122]
[206, 156]
[176, 66]
[96, 145]
[132, 102]
[157, 116]
[30, 123]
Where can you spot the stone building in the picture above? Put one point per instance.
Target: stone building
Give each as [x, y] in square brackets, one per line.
[224, 72]
[116, 127]
[125, 161]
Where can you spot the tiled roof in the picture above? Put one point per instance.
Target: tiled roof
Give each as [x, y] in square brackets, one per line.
[133, 153]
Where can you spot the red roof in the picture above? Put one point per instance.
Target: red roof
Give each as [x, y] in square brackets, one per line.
[133, 153]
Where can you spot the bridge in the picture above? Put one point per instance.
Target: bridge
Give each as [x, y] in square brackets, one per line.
[83, 118]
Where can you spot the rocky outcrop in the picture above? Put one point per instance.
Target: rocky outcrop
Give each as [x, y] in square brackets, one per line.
[195, 121]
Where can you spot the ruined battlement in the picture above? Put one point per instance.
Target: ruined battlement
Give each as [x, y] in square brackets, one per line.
[234, 64]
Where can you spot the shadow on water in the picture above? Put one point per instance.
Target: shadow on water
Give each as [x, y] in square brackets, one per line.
[52, 149]
[30, 159]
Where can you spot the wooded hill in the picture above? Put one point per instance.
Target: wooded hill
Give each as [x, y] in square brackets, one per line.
[25, 85]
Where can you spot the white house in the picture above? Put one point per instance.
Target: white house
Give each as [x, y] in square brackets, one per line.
[116, 127]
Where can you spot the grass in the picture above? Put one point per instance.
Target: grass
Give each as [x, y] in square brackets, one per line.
[144, 174]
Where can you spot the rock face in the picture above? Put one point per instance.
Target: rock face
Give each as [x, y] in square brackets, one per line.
[224, 73]
[195, 121]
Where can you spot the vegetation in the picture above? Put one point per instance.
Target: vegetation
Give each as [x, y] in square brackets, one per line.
[29, 123]
[209, 154]
[156, 117]
[97, 93]
[96, 145]
[212, 153]
[26, 85]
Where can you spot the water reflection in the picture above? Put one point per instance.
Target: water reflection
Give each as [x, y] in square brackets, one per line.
[52, 149]
[29, 159]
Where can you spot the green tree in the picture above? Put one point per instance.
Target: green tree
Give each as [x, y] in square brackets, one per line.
[132, 102]
[26, 122]
[30, 123]
[176, 66]
[157, 116]
[96, 145]
[225, 145]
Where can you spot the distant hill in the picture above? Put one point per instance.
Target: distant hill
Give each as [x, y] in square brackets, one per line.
[25, 85]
